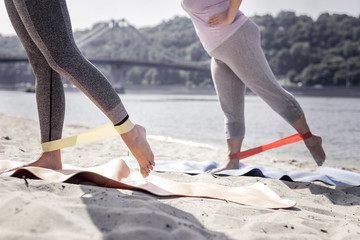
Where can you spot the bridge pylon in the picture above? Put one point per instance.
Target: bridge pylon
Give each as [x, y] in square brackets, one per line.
[117, 77]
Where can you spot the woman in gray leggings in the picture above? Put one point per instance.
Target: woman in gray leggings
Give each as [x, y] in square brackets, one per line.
[44, 29]
[233, 42]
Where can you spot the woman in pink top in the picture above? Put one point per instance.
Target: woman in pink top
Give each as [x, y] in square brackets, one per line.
[233, 42]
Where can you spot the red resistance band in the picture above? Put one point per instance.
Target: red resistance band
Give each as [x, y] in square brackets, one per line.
[285, 141]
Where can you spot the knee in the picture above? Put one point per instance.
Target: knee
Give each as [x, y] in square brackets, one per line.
[63, 59]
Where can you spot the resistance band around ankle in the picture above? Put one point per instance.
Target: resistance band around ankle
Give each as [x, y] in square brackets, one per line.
[98, 133]
[282, 142]
[108, 130]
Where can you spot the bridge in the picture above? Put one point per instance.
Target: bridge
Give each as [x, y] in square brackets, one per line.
[166, 59]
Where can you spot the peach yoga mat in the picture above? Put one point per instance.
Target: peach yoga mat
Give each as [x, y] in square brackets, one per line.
[116, 174]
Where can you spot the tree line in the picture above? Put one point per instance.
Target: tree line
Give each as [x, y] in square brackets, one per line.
[301, 51]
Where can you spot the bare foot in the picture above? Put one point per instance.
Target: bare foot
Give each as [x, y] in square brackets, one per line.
[315, 148]
[140, 148]
[231, 164]
[51, 160]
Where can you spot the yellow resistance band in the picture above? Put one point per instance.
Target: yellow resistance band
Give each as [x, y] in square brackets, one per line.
[104, 131]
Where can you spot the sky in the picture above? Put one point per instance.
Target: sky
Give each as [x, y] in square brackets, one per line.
[141, 13]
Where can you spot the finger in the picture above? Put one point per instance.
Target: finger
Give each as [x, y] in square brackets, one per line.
[211, 24]
[212, 19]
[215, 16]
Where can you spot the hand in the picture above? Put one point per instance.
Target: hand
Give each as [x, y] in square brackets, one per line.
[219, 20]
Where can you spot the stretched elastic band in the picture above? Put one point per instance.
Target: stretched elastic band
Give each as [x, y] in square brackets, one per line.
[98, 133]
[306, 135]
[127, 126]
[285, 141]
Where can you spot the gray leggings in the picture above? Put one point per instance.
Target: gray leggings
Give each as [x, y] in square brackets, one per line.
[240, 62]
[44, 29]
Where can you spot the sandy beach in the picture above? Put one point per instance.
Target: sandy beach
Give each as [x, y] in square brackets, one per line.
[45, 210]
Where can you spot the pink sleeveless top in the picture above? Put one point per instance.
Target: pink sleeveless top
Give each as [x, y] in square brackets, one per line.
[201, 10]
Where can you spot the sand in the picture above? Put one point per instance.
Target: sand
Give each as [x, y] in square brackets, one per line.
[45, 210]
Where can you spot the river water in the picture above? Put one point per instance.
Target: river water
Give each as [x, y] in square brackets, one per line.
[198, 120]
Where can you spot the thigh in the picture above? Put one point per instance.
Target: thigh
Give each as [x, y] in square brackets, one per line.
[247, 60]
[36, 58]
[245, 57]
[230, 90]
[48, 24]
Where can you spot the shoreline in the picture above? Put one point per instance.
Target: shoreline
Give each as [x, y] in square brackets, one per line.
[54, 210]
[353, 92]
[189, 150]
[303, 91]
[82, 111]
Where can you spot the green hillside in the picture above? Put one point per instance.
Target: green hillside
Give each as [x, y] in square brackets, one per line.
[300, 50]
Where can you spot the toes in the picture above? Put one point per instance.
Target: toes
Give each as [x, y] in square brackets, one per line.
[150, 167]
[316, 149]
[152, 162]
[145, 171]
[320, 160]
[215, 170]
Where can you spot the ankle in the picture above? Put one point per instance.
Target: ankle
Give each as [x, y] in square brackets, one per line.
[233, 152]
[50, 160]
[56, 155]
[233, 163]
[234, 156]
[313, 140]
[125, 127]
[132, 134]
[306, 135]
